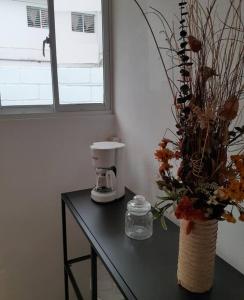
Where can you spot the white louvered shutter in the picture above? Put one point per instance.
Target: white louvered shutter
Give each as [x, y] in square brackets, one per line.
[44, 18]
[77, 22]
[89, 23]
[33, 17]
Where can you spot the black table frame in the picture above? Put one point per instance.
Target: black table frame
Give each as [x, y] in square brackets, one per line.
[68, 274]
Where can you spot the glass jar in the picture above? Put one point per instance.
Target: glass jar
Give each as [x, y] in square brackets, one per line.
[139, 219]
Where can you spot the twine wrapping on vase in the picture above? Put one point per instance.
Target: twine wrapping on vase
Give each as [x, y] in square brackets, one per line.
[196, 259]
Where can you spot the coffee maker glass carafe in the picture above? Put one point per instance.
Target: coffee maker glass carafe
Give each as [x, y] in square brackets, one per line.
[104, 180]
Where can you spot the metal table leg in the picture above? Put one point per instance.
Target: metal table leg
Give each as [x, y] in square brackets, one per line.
[66, 279]
[94, 273]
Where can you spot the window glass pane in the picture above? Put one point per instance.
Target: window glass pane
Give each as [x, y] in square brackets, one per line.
[79, 51]
[25, 75]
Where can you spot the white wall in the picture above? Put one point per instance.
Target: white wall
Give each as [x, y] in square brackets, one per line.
[39, 159]
[142, 104]
[74, 5]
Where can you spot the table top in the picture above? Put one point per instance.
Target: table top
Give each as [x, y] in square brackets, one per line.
[144, 270]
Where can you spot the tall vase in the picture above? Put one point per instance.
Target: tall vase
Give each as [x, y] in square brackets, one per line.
[196, 259]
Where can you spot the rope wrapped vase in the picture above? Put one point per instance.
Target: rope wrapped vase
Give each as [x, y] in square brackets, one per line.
[197, 251]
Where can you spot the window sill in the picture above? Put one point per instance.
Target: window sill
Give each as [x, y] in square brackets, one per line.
[51, 114]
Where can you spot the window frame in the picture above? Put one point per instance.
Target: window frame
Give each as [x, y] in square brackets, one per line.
[56, 107]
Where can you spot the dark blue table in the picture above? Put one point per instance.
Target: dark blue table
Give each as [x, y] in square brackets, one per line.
[144, 270]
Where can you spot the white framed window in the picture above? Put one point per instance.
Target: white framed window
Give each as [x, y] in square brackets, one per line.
[37, 17]
[74, 73]
[82, 22]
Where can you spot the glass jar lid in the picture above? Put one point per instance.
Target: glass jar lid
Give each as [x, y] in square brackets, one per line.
[138, 205]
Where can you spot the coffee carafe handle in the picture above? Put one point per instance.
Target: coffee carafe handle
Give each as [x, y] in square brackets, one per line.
[111, 177]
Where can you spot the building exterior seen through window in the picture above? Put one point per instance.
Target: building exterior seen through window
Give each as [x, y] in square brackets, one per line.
[25, 74]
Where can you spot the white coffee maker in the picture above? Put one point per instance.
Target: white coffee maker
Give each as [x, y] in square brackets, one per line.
[108, 160]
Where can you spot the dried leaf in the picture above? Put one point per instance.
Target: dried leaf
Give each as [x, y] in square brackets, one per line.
[194, 44]
[207, 72]
[230, 109]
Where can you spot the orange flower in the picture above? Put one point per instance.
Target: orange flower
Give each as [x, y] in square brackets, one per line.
[164, 143]
[229, 217]
[165, 166]
[235, 187]
[177, 155]
[164, 154]
[241, 218]
[221, 194]
[238, 161]
[235, 190]
[185, 210]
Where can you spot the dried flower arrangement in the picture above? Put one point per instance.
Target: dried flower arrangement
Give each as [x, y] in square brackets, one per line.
[208, 55]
